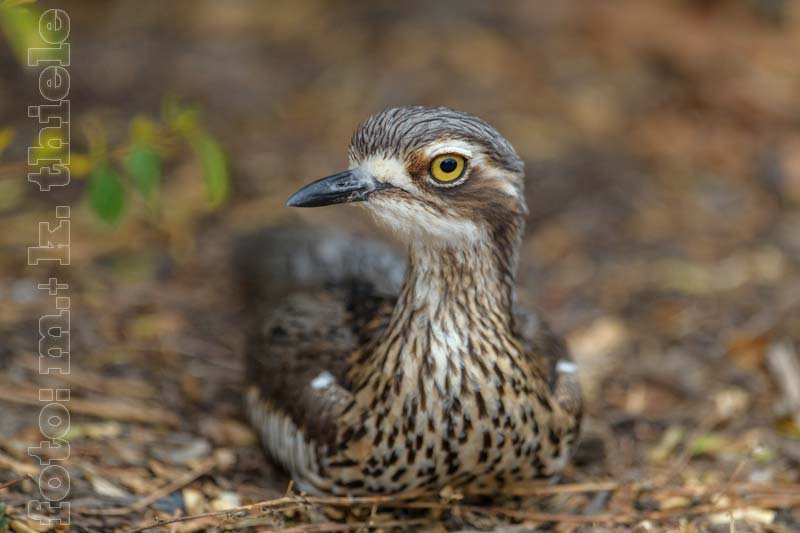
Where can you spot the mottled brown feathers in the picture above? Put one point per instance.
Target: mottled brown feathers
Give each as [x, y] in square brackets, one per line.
[334, 329]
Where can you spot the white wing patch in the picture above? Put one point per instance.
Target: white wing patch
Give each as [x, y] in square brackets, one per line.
[323, 380]
[566, 367]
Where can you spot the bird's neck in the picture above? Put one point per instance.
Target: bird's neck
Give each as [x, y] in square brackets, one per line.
[454, 310]
[445, 285]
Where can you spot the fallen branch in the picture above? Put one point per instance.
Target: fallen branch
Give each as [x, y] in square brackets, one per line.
[789, 496]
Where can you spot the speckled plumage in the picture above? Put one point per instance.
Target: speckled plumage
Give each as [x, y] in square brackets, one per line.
[359, 382]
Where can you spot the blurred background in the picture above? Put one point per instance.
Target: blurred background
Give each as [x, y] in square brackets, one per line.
[662, 147]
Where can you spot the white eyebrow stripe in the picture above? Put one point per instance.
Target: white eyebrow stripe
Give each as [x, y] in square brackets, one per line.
[451, 150]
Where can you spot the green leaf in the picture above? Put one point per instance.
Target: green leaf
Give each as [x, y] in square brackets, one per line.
[144, 130]
[183, 118]
[143, 164]
[6, 136]
[49, 145]
[708, 444]
[20, 24]
[214, 164]
[79, 165]
[4, 518]
[106, 194]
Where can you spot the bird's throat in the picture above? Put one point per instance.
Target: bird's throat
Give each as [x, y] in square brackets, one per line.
[456, 285]
[455, 307]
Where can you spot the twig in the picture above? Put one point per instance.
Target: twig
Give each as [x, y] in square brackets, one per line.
[294, 501]
[17, 466]
[711, 508]
[333, 526]
[92, 382]
[417, 500]
[544, 490]
[13, 482]
[109, 410]
[408, 500]
[638, 517]
[536, 516]
[200, 470]
[727, 488]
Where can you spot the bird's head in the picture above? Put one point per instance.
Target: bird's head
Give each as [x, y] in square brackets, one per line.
[432, 174]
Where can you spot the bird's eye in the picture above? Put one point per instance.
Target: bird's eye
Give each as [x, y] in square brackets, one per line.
[447, 168]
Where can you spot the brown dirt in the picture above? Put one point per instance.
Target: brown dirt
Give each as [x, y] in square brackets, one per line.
[663, 151]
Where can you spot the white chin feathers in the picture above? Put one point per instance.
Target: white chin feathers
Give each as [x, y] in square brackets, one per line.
[414, 221]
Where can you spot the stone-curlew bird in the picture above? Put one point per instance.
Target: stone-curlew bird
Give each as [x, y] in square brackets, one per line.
[357, 389]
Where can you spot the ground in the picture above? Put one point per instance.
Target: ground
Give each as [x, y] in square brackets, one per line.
[662, 147]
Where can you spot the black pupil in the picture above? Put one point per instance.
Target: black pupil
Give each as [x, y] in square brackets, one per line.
[448, 165]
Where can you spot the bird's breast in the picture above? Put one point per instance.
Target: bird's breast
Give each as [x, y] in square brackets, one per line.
[453, 415]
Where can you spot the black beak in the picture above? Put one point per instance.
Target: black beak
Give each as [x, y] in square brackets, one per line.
[349, 186]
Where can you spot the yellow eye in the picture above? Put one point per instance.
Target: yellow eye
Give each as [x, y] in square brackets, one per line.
[448, 167]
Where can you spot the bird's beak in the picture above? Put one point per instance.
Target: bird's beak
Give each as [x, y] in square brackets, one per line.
[353, 185]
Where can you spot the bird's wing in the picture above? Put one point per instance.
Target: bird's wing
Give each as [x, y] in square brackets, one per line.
[275, 261]
[314, 295]
[550, 358]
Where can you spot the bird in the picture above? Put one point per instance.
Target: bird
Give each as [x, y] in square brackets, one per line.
[373, 372]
